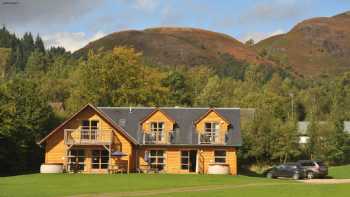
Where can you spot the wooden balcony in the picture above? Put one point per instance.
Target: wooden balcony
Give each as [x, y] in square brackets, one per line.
[88, 137]
[210, 138]
[157, 138]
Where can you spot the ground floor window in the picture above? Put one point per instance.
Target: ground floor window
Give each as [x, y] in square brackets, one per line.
[76, 160]
[100, 159]
[220, 156]
[157, 159]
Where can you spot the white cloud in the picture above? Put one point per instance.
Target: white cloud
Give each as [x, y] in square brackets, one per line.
[274, 10]
[71, 41]
[146, 5]
[44, 12]
[258, 36]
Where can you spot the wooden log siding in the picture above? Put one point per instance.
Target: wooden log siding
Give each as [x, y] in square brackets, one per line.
[213, 117]
[159, 116]
[55, 149]
[173, 158]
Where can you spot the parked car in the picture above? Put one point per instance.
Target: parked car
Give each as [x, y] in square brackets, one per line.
[314, 168]
[289, 170]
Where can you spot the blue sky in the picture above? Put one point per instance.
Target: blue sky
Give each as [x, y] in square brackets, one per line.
[73, 23]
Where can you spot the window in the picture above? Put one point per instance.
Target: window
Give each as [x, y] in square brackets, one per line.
[220, 156]
[212, 128]
[156, 159]
[185, 160]
[308, 164]
[100, 159]
[157, 130]
[76, 159]
[89, 129]
[210, 135]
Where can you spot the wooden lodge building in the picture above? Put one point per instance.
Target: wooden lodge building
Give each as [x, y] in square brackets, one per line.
[145, 139]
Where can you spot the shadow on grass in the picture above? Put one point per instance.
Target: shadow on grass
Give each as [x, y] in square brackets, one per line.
[247, 172]
[3, 174]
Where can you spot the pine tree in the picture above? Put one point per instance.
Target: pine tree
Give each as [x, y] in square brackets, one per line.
[39, 44]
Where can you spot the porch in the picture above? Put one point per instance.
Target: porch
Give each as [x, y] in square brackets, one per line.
[91, 151]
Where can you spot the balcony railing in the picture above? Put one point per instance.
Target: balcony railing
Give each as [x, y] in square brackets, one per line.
[211, 138]
[157, 138]
[87, 136]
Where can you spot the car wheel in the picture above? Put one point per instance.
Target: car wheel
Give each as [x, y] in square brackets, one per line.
[296, 176]
[269, 175]
[310, 175]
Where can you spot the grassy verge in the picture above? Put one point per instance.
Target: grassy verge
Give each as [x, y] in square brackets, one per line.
[54, 185]
[49, 185]
[340, 172]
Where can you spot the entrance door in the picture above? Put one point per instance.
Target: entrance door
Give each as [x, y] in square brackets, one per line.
[189, 160]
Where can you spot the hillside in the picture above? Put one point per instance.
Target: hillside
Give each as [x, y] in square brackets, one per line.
[313, 47]
[178, 46]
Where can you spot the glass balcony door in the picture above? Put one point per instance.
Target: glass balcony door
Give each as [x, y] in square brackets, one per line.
[100, 159]
[157, 130]
[89, 130]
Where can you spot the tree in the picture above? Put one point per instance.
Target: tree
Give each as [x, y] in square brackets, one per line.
[176, 82]
[27, 43]
[39, 44]
[25, 117]
[5, 67]
[37, 63]
[250, 42]
[115, 78]
[211, 94]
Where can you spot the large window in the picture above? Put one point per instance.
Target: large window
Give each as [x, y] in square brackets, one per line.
[157, 129]
[76, 159]
[212, 128]
[89, 129]
[157, 159]
[220, 156]
[100, 159]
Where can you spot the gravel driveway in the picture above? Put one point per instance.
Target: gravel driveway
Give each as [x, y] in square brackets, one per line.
[325, 181]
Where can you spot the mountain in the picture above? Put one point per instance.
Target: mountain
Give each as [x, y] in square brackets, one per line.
[313, 47]
[178, 46]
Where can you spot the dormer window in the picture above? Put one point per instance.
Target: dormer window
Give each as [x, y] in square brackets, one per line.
[212, 128]
[157, 129]
[89, 129]
[157, 126]
[211, 133]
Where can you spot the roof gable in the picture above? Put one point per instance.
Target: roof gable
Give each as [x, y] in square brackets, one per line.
[154, 112]
[211, 110]
[101, 114]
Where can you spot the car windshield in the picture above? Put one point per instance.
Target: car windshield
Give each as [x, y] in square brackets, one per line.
[307, 164]
[320, 163]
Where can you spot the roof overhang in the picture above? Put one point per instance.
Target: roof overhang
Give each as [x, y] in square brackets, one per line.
[155, 111]
[100, 113]
[208, 112]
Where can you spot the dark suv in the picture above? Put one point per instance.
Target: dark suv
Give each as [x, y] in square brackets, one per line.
[290, 170]
[314, 168]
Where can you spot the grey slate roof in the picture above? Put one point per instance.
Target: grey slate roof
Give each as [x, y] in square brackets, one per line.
[185, 133]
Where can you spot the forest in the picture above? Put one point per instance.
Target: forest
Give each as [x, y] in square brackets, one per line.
[40, 87]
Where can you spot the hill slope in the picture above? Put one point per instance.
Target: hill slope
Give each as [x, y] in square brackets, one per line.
[178, 46]
[313, 47]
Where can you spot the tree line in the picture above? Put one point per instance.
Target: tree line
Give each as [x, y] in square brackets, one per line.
[41, 87]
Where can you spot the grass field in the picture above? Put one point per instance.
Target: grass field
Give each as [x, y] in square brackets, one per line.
[51, 185]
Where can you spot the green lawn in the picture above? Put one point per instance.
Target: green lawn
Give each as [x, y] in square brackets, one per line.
[47, 185]
[340, 172]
